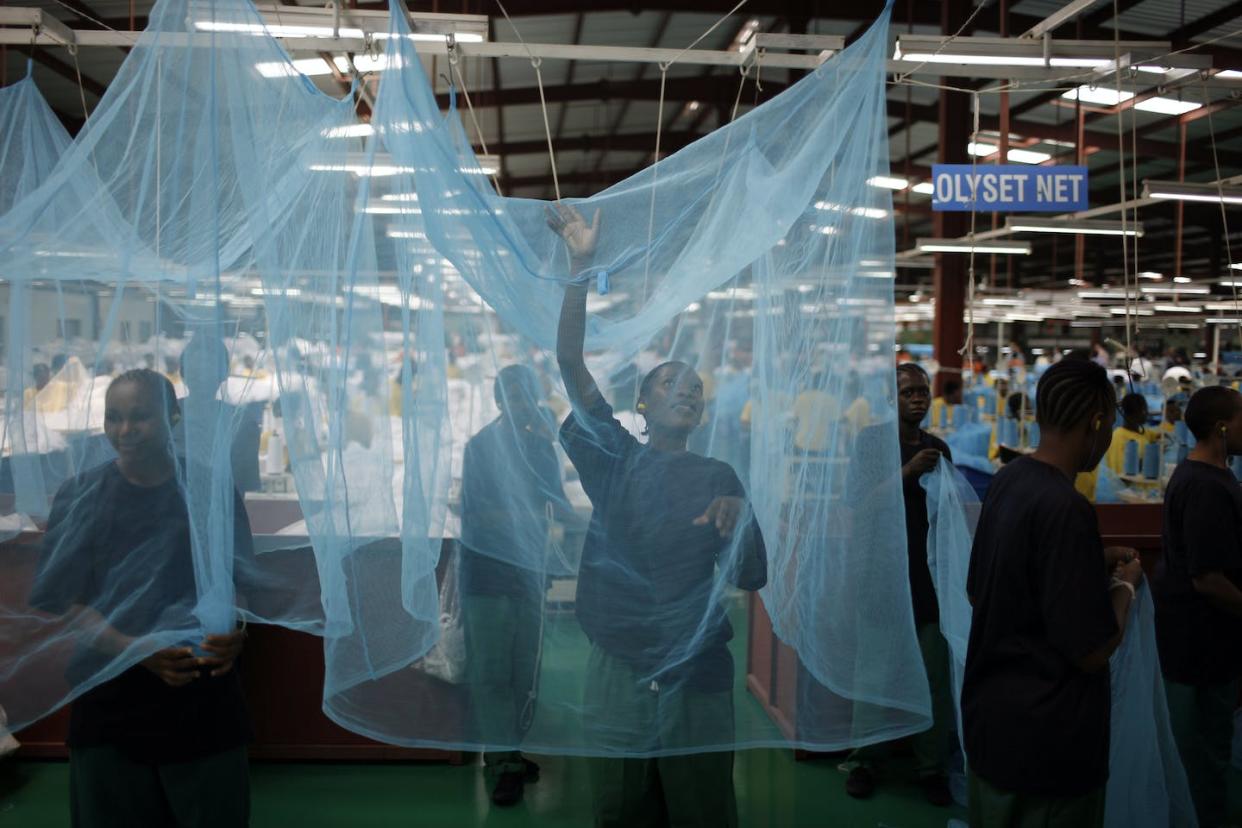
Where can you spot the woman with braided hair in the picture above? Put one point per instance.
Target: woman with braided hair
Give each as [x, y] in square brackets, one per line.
[1050, 607]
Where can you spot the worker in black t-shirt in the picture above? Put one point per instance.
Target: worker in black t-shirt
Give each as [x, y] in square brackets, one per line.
[511, 490]
[163, 742]
[920, 452]
[1035, 696]
[1198, 599]
[659, 675]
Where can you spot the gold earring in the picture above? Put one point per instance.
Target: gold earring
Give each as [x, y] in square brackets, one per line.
[642, 406]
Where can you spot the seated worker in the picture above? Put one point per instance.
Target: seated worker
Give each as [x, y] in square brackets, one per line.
[1017, 408]
[204, 368]
[1198, 595]
[1172, 416]
[1036, 697]
[952, 396]
[667, 527]
[41, 375]
[510, 478]
[163, 742]
[1133, 429]
[1001, 386]
[920, 452]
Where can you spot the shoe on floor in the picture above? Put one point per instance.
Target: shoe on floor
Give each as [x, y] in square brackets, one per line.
[860, 784]
[532, 771]
[508, 789]
[936, 791]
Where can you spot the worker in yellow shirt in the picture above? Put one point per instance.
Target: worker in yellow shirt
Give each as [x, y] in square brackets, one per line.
[1172, 416]
[951, 396]
[1133, 429]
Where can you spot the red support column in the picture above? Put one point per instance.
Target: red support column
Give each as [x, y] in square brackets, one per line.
[949, 279]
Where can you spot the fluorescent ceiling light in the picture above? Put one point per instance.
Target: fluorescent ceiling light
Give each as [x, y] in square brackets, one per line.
[1178, 308]
[1022, 156]
[1002, 302]
[1223, 306]
[1236, 266]
[865, 212]
[1189, 326]
[276, 292]
[1183, 191]
[995, 51]
[259, 29]
[1228, 284]
[350, 131]
[964, 246]
[391, 210]
[374, 170]
[291, 69]
[1229, 74]
[1167, 106]
[924, 188]
[1151, 274]
[1131, 312]
[345, 32]
[368, 63]
[1223, 320]
[1175, 291]
[1100, 95]
[888, 182]
[1102, 294]
[399, 197]
[406, 234]
[1181, 280]
[1083, 227]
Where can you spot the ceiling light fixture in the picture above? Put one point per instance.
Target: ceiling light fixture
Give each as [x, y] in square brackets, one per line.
[965, 246]
[1082, 227]
[1183, 191]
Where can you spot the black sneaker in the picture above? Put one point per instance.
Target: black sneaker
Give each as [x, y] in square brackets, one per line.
[508, 789]
[860, 784]
[532, 771]
[936, 791]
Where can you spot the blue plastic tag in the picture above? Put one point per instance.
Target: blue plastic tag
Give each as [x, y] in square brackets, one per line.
[601, 283]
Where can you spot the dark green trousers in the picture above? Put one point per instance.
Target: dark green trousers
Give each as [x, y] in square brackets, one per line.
[932, 747]
[109, 790]
[1202, 720]
[502, 665]
[688, 791]
[991, 807]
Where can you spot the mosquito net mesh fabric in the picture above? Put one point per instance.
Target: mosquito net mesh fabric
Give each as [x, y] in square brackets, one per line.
[529, 472]
[1146, 782]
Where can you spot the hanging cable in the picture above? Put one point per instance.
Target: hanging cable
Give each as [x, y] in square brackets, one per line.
[73, 50]
[454, 62]
[543, 103]
[1224, 216]
[710, 29]
[968, 346]
[1121, 182]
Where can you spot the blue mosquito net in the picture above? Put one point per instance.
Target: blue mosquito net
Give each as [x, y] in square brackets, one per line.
[548, 476]
[1146, 782]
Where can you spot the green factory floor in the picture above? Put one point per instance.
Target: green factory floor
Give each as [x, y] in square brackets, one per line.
[774, 791]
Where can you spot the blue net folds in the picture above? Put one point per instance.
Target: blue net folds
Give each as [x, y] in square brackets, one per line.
[1146, 783]
[531, 471]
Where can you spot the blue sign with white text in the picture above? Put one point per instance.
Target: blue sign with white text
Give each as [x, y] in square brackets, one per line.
[1013, 188]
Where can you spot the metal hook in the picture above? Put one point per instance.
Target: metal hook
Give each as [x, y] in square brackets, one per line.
[451, 44]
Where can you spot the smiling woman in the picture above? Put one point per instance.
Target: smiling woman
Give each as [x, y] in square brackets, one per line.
[148, 741]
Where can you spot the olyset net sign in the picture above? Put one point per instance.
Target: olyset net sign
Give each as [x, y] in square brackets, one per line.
[1000, 188]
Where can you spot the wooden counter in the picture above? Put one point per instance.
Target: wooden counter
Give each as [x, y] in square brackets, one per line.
[282, 671]
[773, 671]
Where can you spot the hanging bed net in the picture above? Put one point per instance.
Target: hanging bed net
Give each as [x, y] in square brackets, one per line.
[421, 421]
